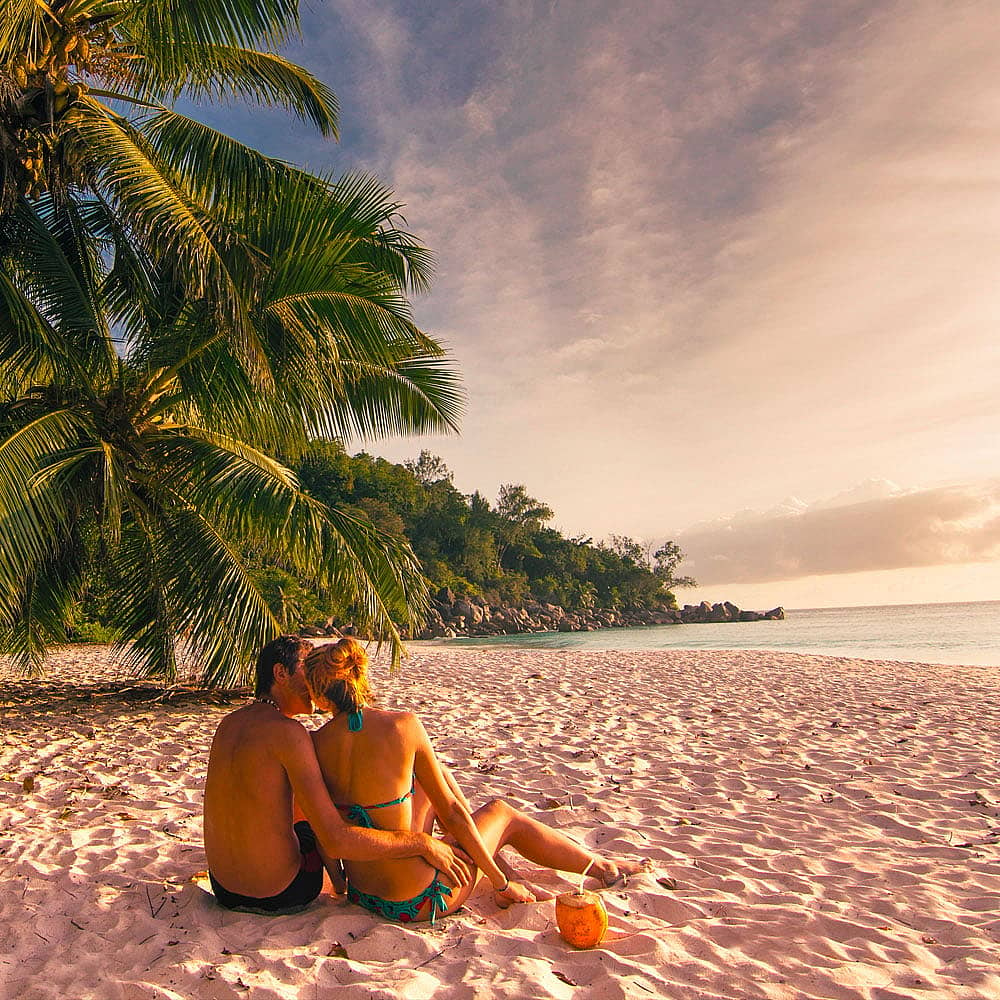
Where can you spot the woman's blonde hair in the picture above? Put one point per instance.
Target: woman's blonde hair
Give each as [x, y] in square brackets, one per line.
[338, 672]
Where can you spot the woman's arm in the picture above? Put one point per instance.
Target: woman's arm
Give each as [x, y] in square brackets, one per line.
[451, 808]
[453, 785]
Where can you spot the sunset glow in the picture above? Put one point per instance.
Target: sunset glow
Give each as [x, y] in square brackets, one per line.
[695, 261]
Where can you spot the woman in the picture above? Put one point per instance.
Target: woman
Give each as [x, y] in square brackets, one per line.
[385, 759]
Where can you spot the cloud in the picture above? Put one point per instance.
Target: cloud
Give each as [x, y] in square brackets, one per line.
[877, 526]
[691, 256]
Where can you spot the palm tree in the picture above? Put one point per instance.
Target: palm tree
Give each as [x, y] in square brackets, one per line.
[84, 92]
[176, 310]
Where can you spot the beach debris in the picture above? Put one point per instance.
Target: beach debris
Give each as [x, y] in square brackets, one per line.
[337, 950]
[827, 796]
[978, 799]
[550, 803]
[153, 912]
[29, 783]
[667, 882]
[563, 978]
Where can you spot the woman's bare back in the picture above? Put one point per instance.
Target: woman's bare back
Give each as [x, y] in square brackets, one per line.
[363, 771]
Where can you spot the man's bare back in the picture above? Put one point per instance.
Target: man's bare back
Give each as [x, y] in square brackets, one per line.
[251, 846]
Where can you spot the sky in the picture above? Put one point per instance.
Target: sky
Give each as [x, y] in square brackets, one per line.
[721, 272]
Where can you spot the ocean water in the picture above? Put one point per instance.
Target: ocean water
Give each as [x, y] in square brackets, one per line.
[923, 633]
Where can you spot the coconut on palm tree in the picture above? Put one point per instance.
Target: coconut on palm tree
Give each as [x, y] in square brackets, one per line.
[176, 310]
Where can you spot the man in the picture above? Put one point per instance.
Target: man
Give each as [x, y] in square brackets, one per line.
[262, 777]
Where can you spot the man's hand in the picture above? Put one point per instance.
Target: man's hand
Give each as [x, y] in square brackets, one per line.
[453, 863]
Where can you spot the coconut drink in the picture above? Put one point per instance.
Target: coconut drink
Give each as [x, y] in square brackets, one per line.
[581, 918]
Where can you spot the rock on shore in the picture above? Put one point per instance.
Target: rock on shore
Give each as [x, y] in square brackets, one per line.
[452, 616]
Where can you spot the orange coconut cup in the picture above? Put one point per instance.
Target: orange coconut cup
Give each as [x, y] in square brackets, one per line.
[581, 918]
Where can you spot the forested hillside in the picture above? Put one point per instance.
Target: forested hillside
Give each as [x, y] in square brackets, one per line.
[499, 550]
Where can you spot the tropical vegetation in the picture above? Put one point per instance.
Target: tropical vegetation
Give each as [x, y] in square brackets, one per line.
[503, 551]
[180, 316]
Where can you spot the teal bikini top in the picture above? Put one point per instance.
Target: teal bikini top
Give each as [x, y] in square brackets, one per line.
[357, 814]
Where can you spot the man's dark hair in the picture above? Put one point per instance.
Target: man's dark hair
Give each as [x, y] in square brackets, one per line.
[286, 649]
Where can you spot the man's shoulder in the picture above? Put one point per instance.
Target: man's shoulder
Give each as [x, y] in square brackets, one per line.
[250, 720]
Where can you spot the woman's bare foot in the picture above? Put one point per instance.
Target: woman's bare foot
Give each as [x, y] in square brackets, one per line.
[610, 873]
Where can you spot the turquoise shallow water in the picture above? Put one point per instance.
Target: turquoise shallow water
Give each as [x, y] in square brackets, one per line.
[924, 633]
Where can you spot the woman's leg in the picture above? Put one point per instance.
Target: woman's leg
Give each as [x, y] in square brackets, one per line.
[501, 825]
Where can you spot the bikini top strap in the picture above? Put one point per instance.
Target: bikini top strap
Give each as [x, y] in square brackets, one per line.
[358, 814]
[399, 801]
[355, 721]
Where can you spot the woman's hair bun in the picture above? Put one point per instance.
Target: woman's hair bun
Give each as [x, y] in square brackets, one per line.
[338, 672]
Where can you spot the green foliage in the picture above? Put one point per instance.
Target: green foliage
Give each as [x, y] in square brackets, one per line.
[455, 538]
[519, 517]
[92, 632]
[458, 538]
[179, 317]
[666, 559]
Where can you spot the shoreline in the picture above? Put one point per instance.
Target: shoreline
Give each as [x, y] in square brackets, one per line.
[524, 644]
[831, 825]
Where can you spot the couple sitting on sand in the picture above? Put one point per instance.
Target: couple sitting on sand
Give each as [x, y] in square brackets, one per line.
[357, 798]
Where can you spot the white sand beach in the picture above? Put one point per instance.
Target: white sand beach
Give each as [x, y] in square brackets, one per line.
[822, 828]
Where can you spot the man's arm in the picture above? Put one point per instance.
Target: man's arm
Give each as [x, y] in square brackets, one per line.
[353, 843]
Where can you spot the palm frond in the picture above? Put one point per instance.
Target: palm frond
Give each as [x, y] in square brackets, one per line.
[30, 349]
[149, 629]
[417, 395]
[34, 523]
[216, 169]
[173, 229]
[20, 29]
[58, 262]
[216, 613]
[360, 204]
[44, 601]
[217, 72]
[169, 222]
[162, 26]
